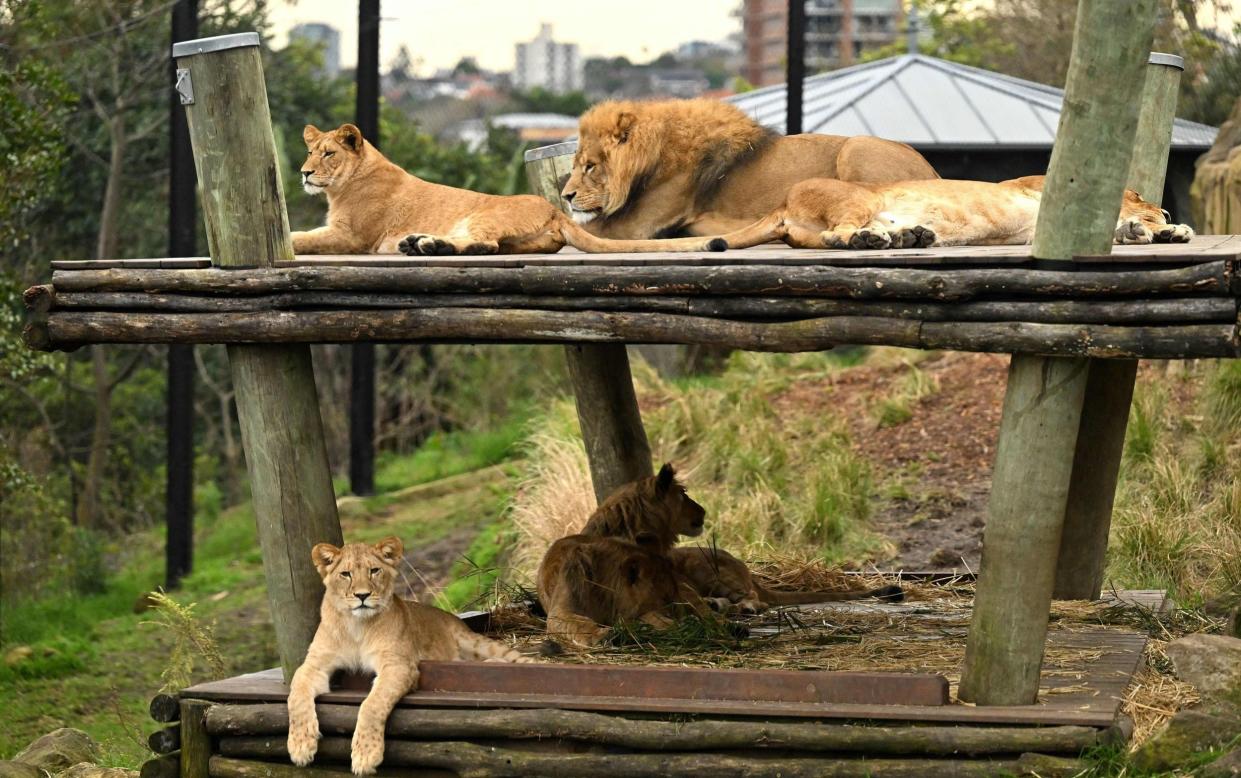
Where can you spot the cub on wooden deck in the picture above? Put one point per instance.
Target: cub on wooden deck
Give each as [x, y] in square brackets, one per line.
[364, 626]
[375, 207]
[827, 213]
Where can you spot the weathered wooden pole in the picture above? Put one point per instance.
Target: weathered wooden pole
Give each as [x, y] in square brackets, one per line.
[795, 65]
[247, 226]
[1043, 402]
[1109, 385]
[607, 408]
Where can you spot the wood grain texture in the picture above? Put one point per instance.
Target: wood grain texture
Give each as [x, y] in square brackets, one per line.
[282, 431]
[607, 411]
[195, 741]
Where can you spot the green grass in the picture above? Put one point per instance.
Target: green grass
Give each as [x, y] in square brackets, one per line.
[475, 575]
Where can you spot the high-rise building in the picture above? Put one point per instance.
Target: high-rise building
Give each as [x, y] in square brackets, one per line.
[837, 33]
[326, 36]
[543, 62]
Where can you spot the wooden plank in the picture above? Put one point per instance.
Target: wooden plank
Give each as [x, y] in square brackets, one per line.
[1103, 687]
[686, 683]
[195, 742]
[166, 263]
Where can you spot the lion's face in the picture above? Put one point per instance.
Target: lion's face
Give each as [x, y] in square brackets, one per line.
[681, 512]
[359, 578]
[331, 158]
[613, 153]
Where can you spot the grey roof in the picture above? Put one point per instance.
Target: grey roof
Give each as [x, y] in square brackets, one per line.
[932, 103]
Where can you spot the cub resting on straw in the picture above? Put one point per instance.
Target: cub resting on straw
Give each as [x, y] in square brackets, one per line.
[589, 584]
[375, 207]
[726, 582]
[363, 626]
[825, 212]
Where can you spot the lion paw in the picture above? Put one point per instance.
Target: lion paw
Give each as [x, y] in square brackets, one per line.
[367, 750]
[916, 237]
[1132, 231]
[425, 246]
[303, 742]
[867, 238]
[1174, 233]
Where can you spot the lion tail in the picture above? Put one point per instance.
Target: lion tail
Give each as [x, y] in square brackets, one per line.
[765, 230]
[582, 240]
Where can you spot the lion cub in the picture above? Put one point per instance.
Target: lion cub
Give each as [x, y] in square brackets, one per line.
[726, 582]
[651, 512]
[365, 627]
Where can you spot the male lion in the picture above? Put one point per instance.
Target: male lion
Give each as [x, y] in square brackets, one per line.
[588, 584]
[703, 167]
[364, 626]
[376, 207]
[726, 582]
[651, 512]
[826, 213]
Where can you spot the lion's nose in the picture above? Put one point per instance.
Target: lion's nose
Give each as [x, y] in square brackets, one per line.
[568, 196]
[306, 174]
[361, 596]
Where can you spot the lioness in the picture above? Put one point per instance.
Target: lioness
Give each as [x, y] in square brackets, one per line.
[375, 207]
[364, 627]
[703, 167]
[651, 511]
[828, 213]
[588, 584]
[726, 582]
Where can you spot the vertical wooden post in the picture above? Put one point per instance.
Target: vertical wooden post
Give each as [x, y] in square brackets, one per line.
[281, 429]
[1109, 385]
[195, 742]
[795, 67]
[607, 408]
[1043, 403]
[182, 239]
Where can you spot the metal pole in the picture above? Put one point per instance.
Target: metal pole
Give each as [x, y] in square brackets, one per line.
[179, 427]
[362, 355]
[796, 72]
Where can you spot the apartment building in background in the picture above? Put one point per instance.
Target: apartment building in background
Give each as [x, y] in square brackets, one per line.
[837, 34]
[542, 62]
[324, 35]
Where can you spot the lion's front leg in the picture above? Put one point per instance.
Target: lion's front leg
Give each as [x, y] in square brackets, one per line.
[324, 240]
[310, 680]
[575, 629]
[1131, 230]
[392, 682]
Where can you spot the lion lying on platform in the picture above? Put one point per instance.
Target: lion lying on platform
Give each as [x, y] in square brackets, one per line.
[703, 167]
[375, 207]
[364, 626]
[827, 213]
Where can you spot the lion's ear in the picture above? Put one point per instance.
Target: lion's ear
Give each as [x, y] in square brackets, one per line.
[390, 549]
[624, 124]
[666, 478]
[350, 136]
[324, 555]
[311, 133]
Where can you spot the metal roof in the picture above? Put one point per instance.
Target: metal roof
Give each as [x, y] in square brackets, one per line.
[933, 103]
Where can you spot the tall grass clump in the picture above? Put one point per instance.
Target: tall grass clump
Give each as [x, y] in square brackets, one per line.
[1177, 522]
[776, 479]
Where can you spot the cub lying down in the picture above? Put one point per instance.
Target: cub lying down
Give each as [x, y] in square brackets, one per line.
[726, 582]
[375, 207]
[364, 626]
[589, 584]
[827, 213]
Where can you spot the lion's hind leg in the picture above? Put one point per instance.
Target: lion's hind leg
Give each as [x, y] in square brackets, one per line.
[419, 245]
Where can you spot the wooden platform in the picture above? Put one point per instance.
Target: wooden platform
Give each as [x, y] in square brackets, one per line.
[1094, 699]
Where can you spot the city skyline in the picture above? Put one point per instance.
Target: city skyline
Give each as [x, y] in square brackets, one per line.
[495, 26]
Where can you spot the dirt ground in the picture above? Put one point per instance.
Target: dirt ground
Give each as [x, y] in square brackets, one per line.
[933, 471]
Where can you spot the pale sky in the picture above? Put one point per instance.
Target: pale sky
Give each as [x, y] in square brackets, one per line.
[440, 32]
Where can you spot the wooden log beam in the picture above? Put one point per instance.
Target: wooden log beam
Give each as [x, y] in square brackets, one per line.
[166, 766]
[1043, 401]
[1174, 310]
[165, 708]
[1109, 386]
[472, 759]
[644, 735]
[71, 329]
[277, 406]
[165, 741]
[1208, 278]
